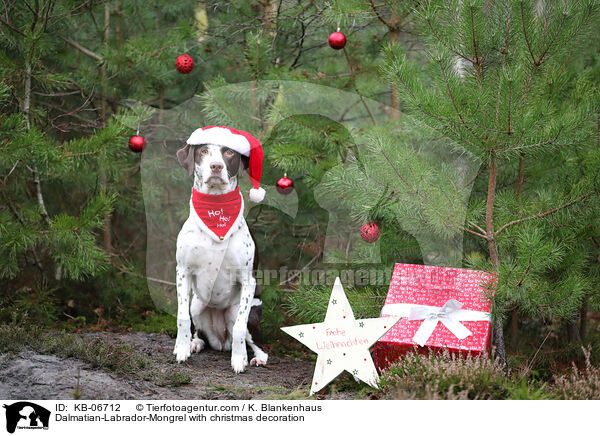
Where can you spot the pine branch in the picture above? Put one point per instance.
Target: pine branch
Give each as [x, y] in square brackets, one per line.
[391, 164]
[297, 273]
[537, 144]
[450, 93]
[543, 214]
[83, 50]
[36, 257]
[520, 282]
[477, 227]
[40, 197]
[70, 12]
[379, 17]
[11, 27]
[478, 61]
[457, 53]
[584, 21]
[481, 235]
[352, 76]
[503, 64]
[533, 58]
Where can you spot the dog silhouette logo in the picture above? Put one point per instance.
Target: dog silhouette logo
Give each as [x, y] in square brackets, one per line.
[26, 415]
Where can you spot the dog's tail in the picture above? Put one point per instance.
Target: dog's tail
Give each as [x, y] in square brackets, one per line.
[254, 319]
[256, 309]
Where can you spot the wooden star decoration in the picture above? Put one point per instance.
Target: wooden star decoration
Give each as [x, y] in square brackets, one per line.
[342, 342]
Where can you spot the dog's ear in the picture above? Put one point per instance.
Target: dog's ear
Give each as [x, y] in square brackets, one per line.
[245, 161]
[185, 156]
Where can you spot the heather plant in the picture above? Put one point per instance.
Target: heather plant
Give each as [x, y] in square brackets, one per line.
[446, 376]
[579, 384]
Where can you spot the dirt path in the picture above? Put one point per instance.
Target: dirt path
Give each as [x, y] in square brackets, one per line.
[30, 375]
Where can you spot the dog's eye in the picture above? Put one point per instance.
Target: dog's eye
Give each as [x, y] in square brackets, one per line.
[228, 153]
[204, 150]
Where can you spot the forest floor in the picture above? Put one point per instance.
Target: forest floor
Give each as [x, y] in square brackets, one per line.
[116, 363]
[34, 373]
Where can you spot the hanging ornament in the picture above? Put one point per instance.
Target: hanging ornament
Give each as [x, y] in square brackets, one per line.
[337, 40]
[285, 185]
[184, 63]
[370, 232]
[137, 143]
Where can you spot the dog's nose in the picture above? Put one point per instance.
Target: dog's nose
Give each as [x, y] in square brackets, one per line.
[216, 167]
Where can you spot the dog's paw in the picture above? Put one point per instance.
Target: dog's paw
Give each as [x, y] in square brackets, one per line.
[239, 362]
[214, 343]
[260, 358]
[197, 345]
[227, 344]
[182, 351]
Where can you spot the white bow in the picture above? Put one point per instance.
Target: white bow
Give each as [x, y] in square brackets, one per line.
[450, 314]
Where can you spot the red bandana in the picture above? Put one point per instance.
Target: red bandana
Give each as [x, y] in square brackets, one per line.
[218, 212]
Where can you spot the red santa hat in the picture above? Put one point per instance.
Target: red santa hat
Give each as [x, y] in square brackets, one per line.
[242, 142]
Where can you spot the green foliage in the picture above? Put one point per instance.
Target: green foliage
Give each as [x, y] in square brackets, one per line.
[511, 85]
[308, 304]
[448, 376]
[273, 317]
[154, 323]
[35, 306]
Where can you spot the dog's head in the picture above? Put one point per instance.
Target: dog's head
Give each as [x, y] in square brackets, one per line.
[215, 168]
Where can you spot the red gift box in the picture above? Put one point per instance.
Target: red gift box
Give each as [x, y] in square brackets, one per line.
[441, 308]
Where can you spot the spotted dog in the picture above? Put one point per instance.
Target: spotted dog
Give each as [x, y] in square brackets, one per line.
[215, 258]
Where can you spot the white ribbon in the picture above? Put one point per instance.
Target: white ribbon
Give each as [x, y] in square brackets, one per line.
[450, 314]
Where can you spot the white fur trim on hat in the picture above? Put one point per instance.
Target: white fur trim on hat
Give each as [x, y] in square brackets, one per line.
[220, 136]
[257, 195]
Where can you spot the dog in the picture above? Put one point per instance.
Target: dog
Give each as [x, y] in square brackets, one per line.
[216, 253]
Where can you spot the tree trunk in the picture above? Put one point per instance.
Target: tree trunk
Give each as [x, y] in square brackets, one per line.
[36, 174]
[573, 331]
[583, 319]
[514, 328]
[107, 234]
[394, 103]
[514, 314]
[269, 16]
[118, 22]
[493, 252]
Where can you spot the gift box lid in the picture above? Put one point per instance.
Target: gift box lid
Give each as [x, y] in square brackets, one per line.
[435, 285]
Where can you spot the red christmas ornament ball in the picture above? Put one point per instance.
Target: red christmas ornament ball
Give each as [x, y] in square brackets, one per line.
[184, 63]
[337, 40]
[285, 185]
[370, 232]
[137, 143]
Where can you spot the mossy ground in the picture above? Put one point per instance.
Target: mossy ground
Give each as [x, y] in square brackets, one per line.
[137, 345]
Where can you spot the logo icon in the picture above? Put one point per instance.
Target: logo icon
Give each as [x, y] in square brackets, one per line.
[26, 415]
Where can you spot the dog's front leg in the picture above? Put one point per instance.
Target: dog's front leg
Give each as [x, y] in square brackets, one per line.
[239, 355]
[183, 342]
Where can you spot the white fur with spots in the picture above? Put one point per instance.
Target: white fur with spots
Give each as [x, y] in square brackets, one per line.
[215, 286]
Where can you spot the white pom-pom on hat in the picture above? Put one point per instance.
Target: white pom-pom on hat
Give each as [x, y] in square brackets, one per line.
[242, 142]
[257, 195]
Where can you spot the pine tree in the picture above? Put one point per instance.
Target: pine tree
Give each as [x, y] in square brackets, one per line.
[498, 80]
[69, 211]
